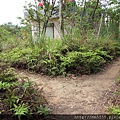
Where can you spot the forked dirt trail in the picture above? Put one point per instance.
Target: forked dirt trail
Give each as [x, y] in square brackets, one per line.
[77, 95]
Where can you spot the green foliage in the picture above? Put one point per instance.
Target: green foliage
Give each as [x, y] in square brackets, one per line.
[9, 36]
[81, 50]
[4, 85]
[19, 97]
[8, 75]
[83, 62]
[56, 57]
[100, 17]
[20, 110]
[4, 34]
[114, 110]
[118, 79]
[43, 111]
[39, 15]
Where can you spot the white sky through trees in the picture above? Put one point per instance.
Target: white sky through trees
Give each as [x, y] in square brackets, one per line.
[11, 9]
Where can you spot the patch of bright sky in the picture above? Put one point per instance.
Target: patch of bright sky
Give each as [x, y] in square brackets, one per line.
[11, 9]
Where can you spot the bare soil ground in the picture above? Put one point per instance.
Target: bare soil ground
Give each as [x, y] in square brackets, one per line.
[85, 94]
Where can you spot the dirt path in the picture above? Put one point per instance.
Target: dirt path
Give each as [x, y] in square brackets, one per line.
[77, 95]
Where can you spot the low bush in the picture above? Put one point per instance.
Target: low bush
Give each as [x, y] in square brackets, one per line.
[58, 57]
[20, 98]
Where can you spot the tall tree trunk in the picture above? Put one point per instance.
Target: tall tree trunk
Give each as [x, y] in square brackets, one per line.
[61, 17]
[48, 17]
[99, 29]
[83, 13]
[93, 14]
[39, 29]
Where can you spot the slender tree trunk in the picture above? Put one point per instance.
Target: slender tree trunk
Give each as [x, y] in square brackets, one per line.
[49, 16]
[93, 14]
[61, 17]
[83, 13]
[39, 29]
[45, 26]
[100, 26]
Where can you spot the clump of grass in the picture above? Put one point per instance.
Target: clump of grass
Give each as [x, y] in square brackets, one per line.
[115, 110]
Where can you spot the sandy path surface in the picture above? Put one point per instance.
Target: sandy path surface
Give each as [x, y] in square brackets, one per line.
[77, 95]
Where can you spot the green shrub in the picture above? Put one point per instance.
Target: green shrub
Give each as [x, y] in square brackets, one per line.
[83, 62]
[19, 97]
[4, 85]
[7, 74]
[56, 57]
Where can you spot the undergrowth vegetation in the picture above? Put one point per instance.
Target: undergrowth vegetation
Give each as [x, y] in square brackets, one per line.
[78, 54]
[19, 97]
[115, 108]
[89, 44]
[58, 57]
